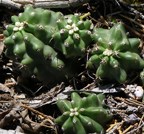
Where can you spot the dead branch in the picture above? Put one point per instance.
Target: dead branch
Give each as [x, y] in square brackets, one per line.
[18, 4]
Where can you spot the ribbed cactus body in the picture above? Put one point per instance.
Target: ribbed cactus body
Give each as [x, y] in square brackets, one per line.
[73, 36]
[114, 54]
[142, 77]
[83, 115]
[28, 40]
[42, 40]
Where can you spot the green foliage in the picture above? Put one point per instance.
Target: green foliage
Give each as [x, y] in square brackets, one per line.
[114, 54]
[83, 115]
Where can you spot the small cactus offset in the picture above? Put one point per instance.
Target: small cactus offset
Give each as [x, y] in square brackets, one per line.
[83, 115]
[73, 36]
[114, 54]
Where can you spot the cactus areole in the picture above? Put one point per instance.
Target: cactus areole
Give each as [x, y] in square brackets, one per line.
[46, 42]
[83, 115]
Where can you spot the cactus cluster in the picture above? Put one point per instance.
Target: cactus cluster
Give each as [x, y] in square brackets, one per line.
[114, 54]
[46, 42]
[38, 37]
[83, 115]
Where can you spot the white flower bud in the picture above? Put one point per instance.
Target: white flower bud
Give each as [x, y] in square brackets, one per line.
[69, 21]
[73, 25]
[76, 113]
[15, 29]
[71, 31]
[75, 29]
[17, 24]
[20, 28]
[71, 114]
[80, 22]
[72, 110]
[68, 27]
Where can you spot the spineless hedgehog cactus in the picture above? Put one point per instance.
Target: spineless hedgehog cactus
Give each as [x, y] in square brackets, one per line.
[83, 115]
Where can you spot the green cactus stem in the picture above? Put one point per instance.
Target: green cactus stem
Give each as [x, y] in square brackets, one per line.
[83, 115]
[142, 77]
[42, 40]
[28, 40]
[73, 36]
[114, 54]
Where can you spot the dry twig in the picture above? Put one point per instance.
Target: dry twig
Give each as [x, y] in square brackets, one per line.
[18, 4]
